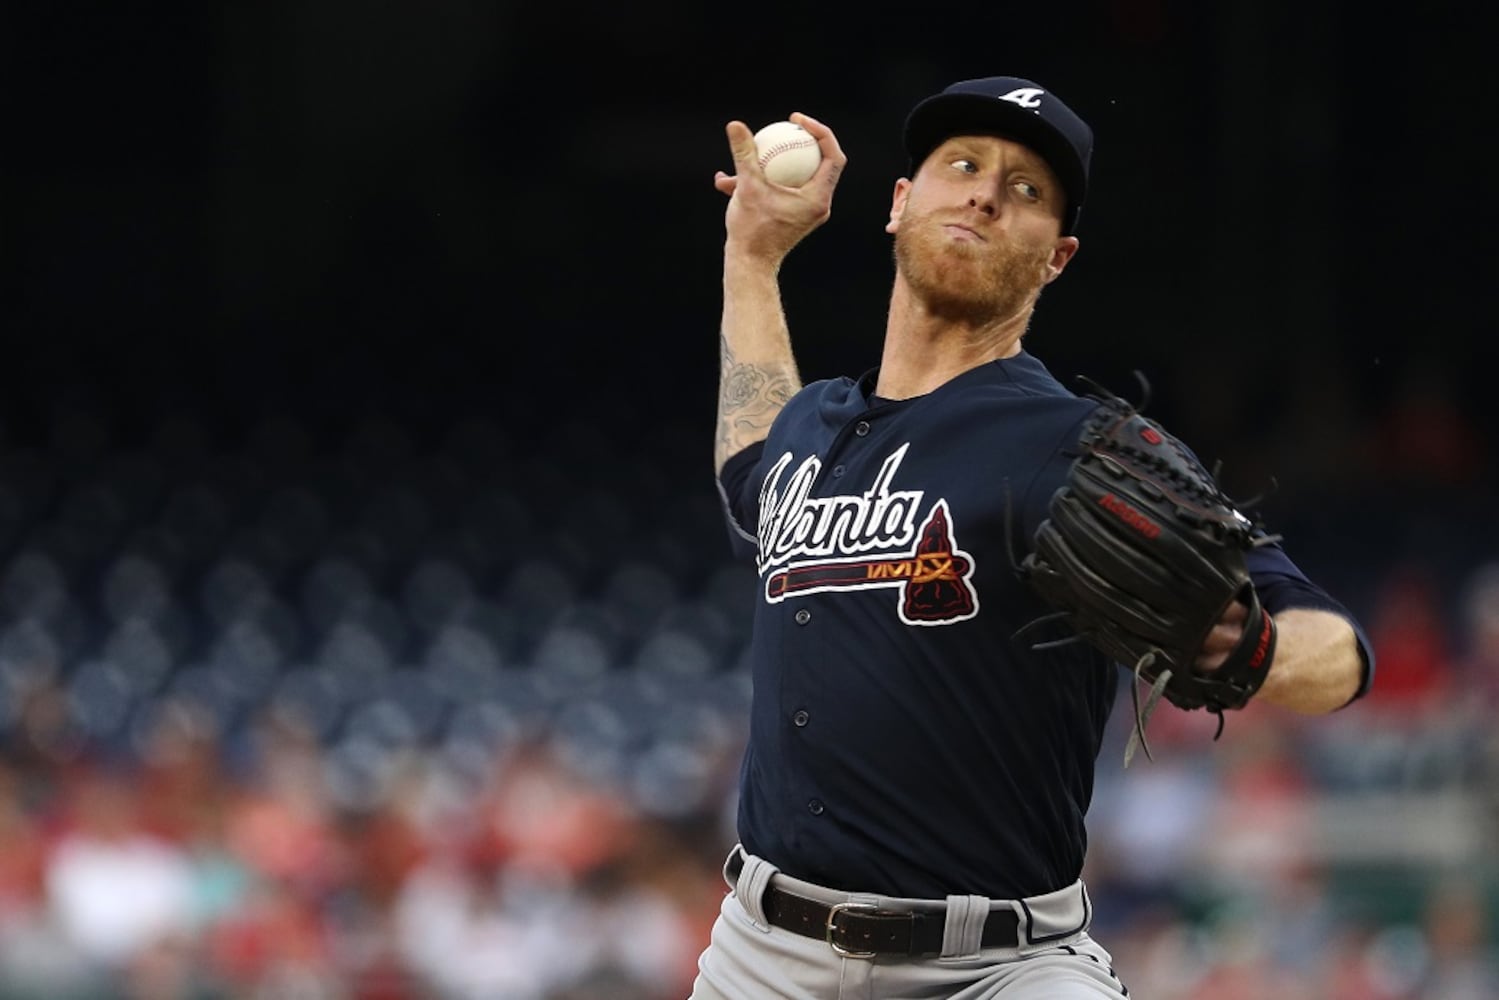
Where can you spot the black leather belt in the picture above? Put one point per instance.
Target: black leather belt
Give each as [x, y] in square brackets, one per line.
[859, 930]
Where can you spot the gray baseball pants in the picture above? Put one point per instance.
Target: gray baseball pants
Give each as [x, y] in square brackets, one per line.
[747, 959]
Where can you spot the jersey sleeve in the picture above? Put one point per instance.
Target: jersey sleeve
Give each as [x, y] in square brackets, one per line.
[1282, 585]
[741, 502]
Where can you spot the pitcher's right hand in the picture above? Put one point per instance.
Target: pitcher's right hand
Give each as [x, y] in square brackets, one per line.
[765, 220]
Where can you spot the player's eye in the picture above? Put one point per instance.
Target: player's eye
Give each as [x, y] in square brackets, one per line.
[966, 166]
[1028, 191]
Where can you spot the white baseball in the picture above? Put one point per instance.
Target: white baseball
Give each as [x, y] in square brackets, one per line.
[788, 153]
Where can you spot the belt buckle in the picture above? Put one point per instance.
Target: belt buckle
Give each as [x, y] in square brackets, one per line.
[833, 912]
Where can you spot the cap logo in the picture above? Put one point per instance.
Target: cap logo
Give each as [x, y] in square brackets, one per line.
[1026, 97]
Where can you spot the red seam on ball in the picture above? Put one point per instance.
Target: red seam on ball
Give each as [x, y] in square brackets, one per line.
[781, 147]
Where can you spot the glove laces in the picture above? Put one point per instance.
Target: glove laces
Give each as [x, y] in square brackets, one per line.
[1143, 712]
[1137, 739]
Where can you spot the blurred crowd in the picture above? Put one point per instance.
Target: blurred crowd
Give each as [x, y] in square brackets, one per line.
[179, 876]
[189, 868]
[374, 727]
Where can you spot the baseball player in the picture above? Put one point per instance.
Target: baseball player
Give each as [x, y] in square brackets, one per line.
[913, 792]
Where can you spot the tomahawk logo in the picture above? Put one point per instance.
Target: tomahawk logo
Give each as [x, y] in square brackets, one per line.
[1026, 97]
[866, 541]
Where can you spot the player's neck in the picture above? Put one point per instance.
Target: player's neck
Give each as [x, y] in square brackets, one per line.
[923, 349]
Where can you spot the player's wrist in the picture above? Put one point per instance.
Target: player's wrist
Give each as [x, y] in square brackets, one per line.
[744, 257]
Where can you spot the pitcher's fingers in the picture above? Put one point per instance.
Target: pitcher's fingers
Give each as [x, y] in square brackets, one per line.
[1237, 613]
[725, 183]
[1223, 638]
[742, 146]
[826, 140]
[833, 159]
[1220, 642]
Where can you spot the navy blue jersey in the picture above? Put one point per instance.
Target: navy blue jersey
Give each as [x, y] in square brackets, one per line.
[901, 742]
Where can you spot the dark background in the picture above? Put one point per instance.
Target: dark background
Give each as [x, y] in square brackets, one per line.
[422, 212]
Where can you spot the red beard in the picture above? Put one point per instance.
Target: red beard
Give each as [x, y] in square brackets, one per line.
[974, 282]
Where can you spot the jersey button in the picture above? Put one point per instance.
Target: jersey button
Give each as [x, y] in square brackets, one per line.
[861, 428]
[838, 470]
[815, 807]
[801, 717]
[803, 616]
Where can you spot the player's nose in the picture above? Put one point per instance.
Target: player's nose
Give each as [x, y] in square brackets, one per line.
[984, 198]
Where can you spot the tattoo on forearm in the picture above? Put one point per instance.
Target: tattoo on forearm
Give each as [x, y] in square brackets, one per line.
[749, 398]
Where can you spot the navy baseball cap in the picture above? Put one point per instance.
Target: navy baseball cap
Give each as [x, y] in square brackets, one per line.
[1015, 109]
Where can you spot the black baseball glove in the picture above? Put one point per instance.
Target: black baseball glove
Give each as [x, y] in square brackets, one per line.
[1143, 554]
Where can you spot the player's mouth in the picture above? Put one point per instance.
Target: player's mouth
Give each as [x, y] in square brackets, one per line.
[959, 231]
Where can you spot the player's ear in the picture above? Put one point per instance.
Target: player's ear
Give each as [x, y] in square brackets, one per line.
[1061, 253]
[898, 204]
